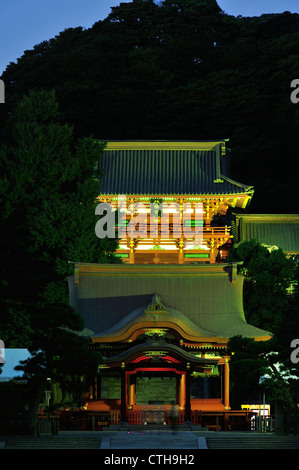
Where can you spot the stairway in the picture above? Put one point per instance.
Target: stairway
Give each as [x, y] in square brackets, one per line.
[151, 440]
[53, 442]
[152, 427]
[252, 441]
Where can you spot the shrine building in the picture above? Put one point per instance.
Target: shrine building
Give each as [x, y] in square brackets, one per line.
[163, 316]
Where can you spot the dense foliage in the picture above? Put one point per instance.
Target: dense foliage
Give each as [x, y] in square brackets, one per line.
[268, 274]
[267, 367]
[180, 70]
[48, 199]
[48, 192]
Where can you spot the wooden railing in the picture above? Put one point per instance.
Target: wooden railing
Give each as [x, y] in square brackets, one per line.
[140, 417]
[171, 234]
[221, 420]
[114, 416]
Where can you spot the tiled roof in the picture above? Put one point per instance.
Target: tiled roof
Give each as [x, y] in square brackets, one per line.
[281, 230]
[110, 297]
[170, 168]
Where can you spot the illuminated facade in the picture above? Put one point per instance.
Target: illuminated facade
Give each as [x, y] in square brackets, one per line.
[162, 319]
[177, 174]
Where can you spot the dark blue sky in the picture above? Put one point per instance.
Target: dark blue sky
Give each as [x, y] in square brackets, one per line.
[24, 23]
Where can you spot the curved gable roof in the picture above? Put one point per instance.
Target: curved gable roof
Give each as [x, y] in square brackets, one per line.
[203, 300]
[145, 317]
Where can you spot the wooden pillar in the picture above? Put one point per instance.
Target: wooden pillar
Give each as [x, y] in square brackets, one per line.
[226, 393]
[182, 390]
[226, 384]
[132, 389]
[181, 251]
[187, 396]
[212, 248]
[96, 388]
[132, 251]
[123, 400]
[178, 388]
[212, 257]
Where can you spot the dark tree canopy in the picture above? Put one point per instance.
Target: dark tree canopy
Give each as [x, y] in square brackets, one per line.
[268, 305]
[48, 190]
[180, 70]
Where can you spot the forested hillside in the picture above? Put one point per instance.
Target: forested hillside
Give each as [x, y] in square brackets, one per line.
[181, 70]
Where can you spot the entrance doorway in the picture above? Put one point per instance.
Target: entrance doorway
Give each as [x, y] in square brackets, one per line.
[155, 390]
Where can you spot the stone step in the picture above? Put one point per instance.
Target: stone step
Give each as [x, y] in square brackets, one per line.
[152, 427]
[51, 442]
[256, 442]
[152, 440]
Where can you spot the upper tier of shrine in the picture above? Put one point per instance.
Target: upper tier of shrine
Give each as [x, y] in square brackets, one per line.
[187, 180]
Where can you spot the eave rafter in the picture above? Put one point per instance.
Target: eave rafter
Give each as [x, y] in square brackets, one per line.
[213, 203]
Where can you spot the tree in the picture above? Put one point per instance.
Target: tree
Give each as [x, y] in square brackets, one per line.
[248, 363]
[58, 353]
[257, 369]
[179, 70]
[48, 198]
[49, 189]
[281, 383]
[267, 275]
[268, 305]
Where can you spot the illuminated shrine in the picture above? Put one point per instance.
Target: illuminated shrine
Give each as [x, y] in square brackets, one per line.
[162, 318]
